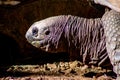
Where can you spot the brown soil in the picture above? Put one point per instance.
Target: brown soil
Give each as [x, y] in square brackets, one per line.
[58, 71]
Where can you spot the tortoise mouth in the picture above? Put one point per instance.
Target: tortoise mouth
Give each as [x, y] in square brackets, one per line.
[42, 44]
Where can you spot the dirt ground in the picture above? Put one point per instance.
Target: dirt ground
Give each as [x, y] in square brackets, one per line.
[34, 77]
[57, 71]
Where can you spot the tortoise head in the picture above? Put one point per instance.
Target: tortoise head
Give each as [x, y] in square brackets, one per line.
[47, 34]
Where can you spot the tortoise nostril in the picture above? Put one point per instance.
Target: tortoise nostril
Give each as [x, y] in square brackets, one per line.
[35, 31]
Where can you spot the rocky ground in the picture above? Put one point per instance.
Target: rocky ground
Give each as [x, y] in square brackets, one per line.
[58, 71]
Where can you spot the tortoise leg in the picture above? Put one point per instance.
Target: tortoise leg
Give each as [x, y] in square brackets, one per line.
[111, 23]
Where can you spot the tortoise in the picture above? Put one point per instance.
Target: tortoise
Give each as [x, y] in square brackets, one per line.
[92, 41]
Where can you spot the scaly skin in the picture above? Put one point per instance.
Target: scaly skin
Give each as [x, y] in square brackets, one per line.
[111, 23]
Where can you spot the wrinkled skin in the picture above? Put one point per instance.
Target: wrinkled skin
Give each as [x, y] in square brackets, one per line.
[82, 38]
[48, 36]
[111, 23]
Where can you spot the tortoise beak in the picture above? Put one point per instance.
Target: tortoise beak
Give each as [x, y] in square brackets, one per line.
[28, 36]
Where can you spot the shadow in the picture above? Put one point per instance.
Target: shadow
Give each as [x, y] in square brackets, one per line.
[91, 74]
[9, 50]
[9, 53]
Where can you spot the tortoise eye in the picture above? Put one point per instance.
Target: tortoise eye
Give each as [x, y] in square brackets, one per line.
[47, 32]
[35, 31]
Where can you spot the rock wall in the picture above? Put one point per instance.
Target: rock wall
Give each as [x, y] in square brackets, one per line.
[15, 21]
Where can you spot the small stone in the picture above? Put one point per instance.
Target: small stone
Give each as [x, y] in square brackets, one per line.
[73, 64]
[84, 67]
[51, 66]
